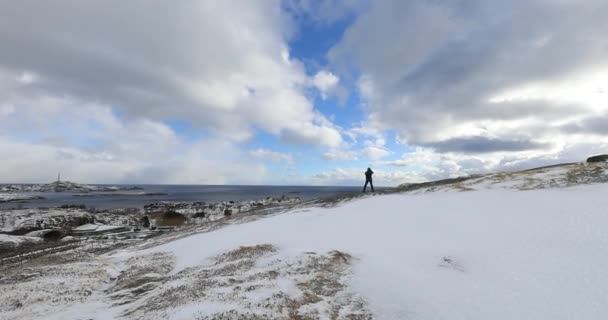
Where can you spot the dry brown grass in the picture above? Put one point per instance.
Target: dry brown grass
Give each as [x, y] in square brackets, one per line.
[232, 277]
[245, 252]
[142, 275]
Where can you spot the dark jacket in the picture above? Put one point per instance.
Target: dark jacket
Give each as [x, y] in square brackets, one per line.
[368, 174]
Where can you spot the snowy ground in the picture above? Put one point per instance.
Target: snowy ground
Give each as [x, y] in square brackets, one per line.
[489, 254]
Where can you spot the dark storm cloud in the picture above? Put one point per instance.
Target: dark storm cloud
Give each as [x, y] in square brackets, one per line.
[484, 145]
[593, 125]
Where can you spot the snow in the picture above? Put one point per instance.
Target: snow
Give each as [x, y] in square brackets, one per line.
[519, 255]
[493, 253]
[559, 176]
[95, 227]
[86, 227]
[6, 197]
[15, 240]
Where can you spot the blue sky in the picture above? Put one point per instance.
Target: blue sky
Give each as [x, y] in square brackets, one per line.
[298, 92]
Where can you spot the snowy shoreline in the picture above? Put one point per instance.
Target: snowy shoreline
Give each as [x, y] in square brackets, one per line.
[63, 186]
[22, 222]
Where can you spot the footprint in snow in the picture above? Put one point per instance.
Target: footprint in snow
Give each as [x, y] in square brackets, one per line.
[450, 263]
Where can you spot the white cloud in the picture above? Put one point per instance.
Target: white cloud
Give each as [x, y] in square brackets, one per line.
[356, 177]
[27, 78]
[325, 82]
[224, 65]
[87, 89]
[340, 155]
[88, 143]
[483, 79]
[265, 154]
[375, 153]
[431, 165]
[6, 109]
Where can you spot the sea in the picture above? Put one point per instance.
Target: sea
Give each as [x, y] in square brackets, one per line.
[180, 193]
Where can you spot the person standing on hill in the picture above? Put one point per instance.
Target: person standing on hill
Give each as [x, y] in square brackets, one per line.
[368, 179]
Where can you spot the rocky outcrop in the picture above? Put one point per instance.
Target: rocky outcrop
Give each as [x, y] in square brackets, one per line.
[215, 211]
[145, 222]
[48, 234]
[598, 158]
[22, 221]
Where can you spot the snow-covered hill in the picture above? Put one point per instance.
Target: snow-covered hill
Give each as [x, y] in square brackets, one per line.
[557, 176]
[496, 252]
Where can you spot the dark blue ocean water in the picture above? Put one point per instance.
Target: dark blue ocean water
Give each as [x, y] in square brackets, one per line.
[209, 194]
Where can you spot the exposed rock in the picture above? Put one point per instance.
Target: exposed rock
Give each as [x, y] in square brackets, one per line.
[170, 218]
[598, 158]
[22, 221]
[48, 234]
[215, 211]
[227, 213]
[145, 222]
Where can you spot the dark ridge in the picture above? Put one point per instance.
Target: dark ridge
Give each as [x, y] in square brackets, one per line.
[415, 186]
[549, 166]
[598, 158]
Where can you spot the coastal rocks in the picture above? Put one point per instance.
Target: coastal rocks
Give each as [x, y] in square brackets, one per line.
[598, 158]
[64, 186]
[215, 211]
[23, 221]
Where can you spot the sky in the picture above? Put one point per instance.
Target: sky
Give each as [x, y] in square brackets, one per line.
[298, 92]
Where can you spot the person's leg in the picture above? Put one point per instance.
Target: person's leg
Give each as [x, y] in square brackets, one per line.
[365, 186]
[372, 185]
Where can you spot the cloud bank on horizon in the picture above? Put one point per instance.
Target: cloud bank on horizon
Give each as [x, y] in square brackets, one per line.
[298, 91]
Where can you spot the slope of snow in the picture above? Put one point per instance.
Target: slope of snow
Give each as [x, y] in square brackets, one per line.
[479, 255]
[490, 254]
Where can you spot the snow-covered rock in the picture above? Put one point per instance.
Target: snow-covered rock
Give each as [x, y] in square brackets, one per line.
[218, 210]
[7, 238]
[89, 229]
[22, 221]
[18, 197]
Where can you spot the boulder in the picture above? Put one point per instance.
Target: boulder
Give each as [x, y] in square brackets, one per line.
[53, 235]
[171, 218]
[598, 158]
[145, 222]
